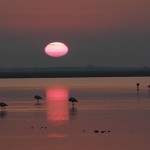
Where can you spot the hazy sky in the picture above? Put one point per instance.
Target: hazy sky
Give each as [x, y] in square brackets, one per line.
[98, 32]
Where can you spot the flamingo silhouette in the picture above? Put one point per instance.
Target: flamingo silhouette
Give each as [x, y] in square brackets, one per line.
[72, 100]
[2, 104]
[37, 97]
[137, 85]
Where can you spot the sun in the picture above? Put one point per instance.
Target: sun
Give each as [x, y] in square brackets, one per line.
[56, 49]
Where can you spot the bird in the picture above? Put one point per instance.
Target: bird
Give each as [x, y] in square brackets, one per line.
[103, 131]
[96, 131]
[73, 100]
[37, 97]
[137, 85]
[2, 104]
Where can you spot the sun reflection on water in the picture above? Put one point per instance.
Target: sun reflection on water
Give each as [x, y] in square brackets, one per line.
[57, 105]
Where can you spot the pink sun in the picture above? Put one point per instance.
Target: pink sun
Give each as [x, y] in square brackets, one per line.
[56, 49]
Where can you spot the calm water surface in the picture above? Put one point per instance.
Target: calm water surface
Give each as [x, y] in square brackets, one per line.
[89, 89]
[105, 104]
[92, 94]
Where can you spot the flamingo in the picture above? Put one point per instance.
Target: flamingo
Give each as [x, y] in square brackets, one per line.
[72, 100]
[137, 85]
[37, 97]
[2, 104]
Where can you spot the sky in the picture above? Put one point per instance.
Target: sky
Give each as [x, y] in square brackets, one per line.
[109, 33]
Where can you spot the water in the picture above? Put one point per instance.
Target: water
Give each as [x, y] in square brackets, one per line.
[90, 90]
[73, 85]
[92, 94]
[105, 104]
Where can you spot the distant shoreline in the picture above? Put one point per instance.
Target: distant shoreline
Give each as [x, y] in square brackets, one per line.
[71, 73]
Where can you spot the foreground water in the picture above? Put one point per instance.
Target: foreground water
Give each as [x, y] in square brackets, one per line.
[112, 106]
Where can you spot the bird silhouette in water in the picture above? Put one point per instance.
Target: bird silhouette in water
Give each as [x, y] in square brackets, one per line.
[38, 98]
[96, 131]
[2, 104]
[137, 86]
[72, 100]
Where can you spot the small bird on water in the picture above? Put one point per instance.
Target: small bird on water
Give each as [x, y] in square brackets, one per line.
[73, 100]
[37, 97]
[2, 104]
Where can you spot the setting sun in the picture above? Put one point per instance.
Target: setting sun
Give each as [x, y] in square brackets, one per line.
[56, 49]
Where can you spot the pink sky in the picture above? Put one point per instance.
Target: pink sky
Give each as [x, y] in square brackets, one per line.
[71, 15]
[97, 32]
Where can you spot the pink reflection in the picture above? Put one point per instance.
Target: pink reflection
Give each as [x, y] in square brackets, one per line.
[57, 105]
